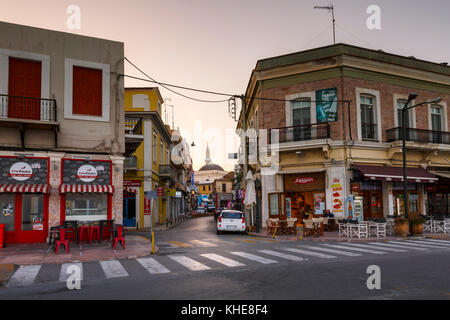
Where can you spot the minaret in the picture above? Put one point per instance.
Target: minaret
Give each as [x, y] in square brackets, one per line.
[208, 155]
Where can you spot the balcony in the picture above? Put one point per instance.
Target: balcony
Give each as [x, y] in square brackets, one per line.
[166, 171]
[28, 113]
[133, 134]
[418, 135]
[308, 132]
[130, 163]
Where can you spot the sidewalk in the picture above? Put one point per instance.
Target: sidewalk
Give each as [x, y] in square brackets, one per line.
[40, 253]
[334, 236]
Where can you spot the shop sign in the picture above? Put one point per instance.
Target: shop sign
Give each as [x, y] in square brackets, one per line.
[337, 196]
[132, 183]
[178, 194]
[20, 171]
[147, 206]
[355, 187]
[326, 109]
[87, 173]
[304, 180]
[160, 191]
[171, 192]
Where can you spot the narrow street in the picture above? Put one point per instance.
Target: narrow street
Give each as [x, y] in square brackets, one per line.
[196, 263]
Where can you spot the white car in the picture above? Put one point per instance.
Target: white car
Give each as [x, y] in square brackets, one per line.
[231, 220]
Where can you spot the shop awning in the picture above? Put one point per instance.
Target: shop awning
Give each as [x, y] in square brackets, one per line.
[25, 188]
[396, 173]
[86, 188]
[445, 174]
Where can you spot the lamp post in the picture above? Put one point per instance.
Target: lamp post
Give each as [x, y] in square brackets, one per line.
[405, 109]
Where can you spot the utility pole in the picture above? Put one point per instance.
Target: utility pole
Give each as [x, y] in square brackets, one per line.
[330, 8]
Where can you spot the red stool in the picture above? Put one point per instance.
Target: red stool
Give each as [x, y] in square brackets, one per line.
[91, 233]
[84, 228]
[118, 237]
[62, 241]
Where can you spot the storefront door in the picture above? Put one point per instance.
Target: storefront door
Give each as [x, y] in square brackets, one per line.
[129, 209]
[373, 204]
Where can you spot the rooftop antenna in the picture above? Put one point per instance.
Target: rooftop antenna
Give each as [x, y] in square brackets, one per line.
[329, 8]
[165, 108]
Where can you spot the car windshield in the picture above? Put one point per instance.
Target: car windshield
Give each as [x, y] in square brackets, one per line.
[231, 215]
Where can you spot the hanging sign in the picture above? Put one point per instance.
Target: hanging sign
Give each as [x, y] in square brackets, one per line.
[160, 191]
[147, 205]
[326, 109]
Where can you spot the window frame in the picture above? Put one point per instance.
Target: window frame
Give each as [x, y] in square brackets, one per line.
[375, 95]
[155, 147]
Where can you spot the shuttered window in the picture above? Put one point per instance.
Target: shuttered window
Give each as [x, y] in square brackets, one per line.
[87, 91]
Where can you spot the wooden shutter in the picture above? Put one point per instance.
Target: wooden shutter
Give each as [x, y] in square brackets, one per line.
[87, 91]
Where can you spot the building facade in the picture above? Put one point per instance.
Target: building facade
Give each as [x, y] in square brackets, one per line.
[223, 191]
[333, 128]
[61, 130]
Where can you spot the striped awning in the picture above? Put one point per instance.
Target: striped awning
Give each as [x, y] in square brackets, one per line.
[86, 188]
[130, 189]
[25, 188]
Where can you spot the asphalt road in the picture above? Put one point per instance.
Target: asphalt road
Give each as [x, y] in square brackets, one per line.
[195, 264]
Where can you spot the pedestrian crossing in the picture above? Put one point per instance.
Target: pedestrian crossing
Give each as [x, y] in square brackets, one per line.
[209, 242]
[177, 263]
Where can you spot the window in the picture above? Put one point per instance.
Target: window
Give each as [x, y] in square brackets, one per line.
[7, 211]
[436, 118]
[224, 187]
[368, 118]
[86, 205]
[167, 156]
[87, 91]
[32, 212]
[400, 105]
[162, 153]
[301, 119]
[155, 147]
[273, 204]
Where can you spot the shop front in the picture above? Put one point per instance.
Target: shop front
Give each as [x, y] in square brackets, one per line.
[24, 198]
[438, 196]
[303, 194]
[131, 202]
[86, 190]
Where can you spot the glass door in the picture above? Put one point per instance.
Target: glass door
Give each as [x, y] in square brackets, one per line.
[32, 220]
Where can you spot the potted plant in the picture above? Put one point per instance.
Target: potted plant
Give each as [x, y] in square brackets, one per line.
[416, 225]
[401, 226]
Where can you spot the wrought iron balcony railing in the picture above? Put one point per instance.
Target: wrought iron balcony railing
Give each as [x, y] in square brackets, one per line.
[15, 107]
[418, 135]
[133, 126]
[300, 133]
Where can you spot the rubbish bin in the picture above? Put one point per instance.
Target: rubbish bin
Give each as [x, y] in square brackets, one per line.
[2, 235]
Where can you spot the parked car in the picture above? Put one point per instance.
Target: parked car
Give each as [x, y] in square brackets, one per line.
[231, 220]
[200, 211]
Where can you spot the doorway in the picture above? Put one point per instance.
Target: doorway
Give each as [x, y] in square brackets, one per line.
[373, 204]
[129, 209]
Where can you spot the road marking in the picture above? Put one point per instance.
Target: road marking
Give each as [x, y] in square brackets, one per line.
[253, 257]
[24, 276]
[282, 255]
[444, 245]
[189, 263]
[266, 240]
[398, 247]
[180, 244]
[437, 241]
[166, 244]
[63, 276]
[245, 240]
[152, 266]
[344, 253]
[203, 243]
[113, 269]
[382, 247]
[309, 253]
[222, 260]
[409, 244]
[355, 249]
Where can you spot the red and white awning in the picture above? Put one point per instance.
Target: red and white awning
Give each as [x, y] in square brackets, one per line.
[86, 188]
[130, 189]
[25, 188]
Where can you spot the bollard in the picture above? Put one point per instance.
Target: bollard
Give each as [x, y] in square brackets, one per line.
[153, 242]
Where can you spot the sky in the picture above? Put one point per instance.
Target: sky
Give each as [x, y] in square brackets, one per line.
[214, 44]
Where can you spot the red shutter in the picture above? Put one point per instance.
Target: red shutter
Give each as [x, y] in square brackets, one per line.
[24, 80]
[87, 91]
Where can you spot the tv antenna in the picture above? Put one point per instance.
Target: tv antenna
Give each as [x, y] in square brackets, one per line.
[329, 8]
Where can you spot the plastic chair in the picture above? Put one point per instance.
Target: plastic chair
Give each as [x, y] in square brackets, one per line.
[62, 241]
[118, 237]
[95, 228]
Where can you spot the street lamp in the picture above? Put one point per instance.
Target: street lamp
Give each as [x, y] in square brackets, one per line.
[405, 109]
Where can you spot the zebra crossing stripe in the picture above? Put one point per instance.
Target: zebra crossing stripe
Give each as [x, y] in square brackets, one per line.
[436, 240]
[152, 266]
[180, 244]
[282, 255]
[355, 249]
[24, 276]
[344, 253]
[429, 245]
[245, 240]
[445, 245]
[414, 244]
[189, 263]
[399, 245]
[63, 276]
[253, 257]
[310, 253]
[203, 243]
[113, 269]
[382, 246]
[225, 261]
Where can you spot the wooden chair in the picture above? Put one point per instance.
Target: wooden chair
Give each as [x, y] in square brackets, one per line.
[270, 225]
[311, 228]
[292, 226]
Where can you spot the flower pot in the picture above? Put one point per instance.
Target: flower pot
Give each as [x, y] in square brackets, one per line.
[417, 229]
[401, 229]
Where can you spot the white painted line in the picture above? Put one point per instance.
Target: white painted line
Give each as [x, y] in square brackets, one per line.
[437, 241]
[223, 260]
[382, 246]
[165, 244]
[445, 245]
[203, 243]
[282, 255]
[189, 263]
[425, 245]
[310, 253]
[253, 257]
[24, 276]
[63, 276]
[152, 266]
[414, 244]
[345, 247]
[344, 253]
[113, 269]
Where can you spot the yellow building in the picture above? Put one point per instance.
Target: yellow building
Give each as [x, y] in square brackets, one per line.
[147, 170]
